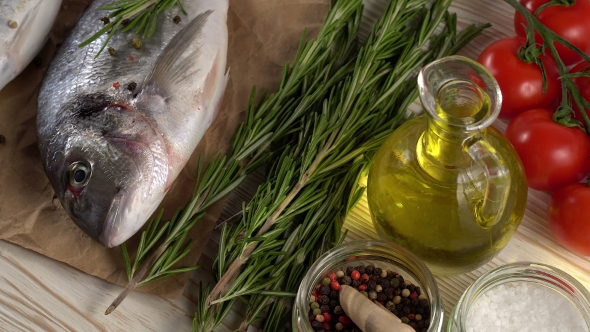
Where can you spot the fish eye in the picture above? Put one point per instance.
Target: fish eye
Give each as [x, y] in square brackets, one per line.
[79, 174]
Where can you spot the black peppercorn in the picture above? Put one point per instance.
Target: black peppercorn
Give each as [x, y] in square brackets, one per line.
[317, 326]
[406, 310]
[361, 269]
[323, 299]
[378, 271]
[417, 290]
[371, 285]
[324, 290]
[369, 269]
[355, 283]
[381, 297]
[413, 325]
[423, 303]
[324, 308]
[333, 303]
[334, 295]
[415, 302]
[384, 283]
[346, 280]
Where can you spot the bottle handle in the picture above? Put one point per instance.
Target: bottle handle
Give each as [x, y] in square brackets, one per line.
[490, 209]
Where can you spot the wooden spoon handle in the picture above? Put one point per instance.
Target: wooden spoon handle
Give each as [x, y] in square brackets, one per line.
[367, 315]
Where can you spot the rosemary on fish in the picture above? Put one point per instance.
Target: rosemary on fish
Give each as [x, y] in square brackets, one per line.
[126, 15]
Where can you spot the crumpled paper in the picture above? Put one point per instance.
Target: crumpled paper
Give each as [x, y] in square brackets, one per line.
[264, 34]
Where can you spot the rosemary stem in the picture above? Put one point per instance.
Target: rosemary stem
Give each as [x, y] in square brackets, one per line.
[139, 9]
[236, 266]
[147, 265]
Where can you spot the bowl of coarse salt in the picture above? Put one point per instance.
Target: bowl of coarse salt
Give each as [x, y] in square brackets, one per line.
[521, 297]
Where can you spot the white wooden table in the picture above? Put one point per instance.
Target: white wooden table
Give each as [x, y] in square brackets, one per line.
[39, 294]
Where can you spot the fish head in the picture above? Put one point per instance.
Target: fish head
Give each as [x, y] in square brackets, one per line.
[106, 173]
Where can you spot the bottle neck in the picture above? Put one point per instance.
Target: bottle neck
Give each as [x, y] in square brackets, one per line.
[440, 152]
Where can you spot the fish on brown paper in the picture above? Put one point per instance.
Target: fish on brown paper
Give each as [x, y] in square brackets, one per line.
[116, 130]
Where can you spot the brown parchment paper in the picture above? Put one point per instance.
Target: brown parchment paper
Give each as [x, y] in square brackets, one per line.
[264, 34]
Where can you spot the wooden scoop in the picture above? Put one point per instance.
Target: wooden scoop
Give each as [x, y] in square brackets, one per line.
[368, 316]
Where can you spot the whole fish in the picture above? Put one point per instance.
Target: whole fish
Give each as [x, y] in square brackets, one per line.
[116, 130]
[24, 28]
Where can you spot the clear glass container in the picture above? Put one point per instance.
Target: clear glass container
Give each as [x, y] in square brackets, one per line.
[363, 252]
[446, 185]
[536, 273]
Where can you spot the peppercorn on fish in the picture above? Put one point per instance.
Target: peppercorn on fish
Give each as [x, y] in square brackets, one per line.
[24, 27]
[116, 130]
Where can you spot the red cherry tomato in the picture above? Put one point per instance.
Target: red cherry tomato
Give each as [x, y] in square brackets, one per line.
[521, 83]
[568, 21]
[571, 23]
[569, 217]
[552, 155]
[519, 21]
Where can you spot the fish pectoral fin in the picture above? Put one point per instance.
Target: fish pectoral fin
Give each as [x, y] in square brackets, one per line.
[172, 66]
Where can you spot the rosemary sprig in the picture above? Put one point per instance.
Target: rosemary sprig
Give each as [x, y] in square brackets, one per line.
[299, 212]
[315, 70]
[126, 15]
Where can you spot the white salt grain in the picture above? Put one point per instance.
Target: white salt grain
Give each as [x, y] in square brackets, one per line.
[521, 307]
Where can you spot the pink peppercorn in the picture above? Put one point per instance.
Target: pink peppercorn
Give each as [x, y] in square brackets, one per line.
[327, 316]
[362, 287]
[355, 275]
[411, 316]
[327, 326]
[344, 320]
[365, 277]
[333, 277]
[413, 295]
[335, 285]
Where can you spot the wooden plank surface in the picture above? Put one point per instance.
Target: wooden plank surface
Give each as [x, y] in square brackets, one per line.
[39, 294]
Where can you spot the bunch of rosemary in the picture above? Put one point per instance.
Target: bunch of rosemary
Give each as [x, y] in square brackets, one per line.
[313, 182]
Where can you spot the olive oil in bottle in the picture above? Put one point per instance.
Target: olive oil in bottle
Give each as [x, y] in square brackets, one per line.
[446, 185]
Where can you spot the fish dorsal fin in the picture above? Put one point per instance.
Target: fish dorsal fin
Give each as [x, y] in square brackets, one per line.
[169, 70]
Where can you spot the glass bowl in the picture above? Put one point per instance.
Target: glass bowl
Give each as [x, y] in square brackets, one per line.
[534, 273]
[379, 253]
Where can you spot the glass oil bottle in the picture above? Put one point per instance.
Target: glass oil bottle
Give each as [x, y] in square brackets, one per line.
[446, 185]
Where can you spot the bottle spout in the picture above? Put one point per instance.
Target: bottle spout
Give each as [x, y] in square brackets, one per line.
[490, 209]
[452, 89]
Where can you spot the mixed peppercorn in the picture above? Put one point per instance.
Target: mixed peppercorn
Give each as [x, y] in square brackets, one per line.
[385, 287]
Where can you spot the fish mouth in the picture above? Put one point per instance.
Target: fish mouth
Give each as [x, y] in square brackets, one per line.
[111, 233]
